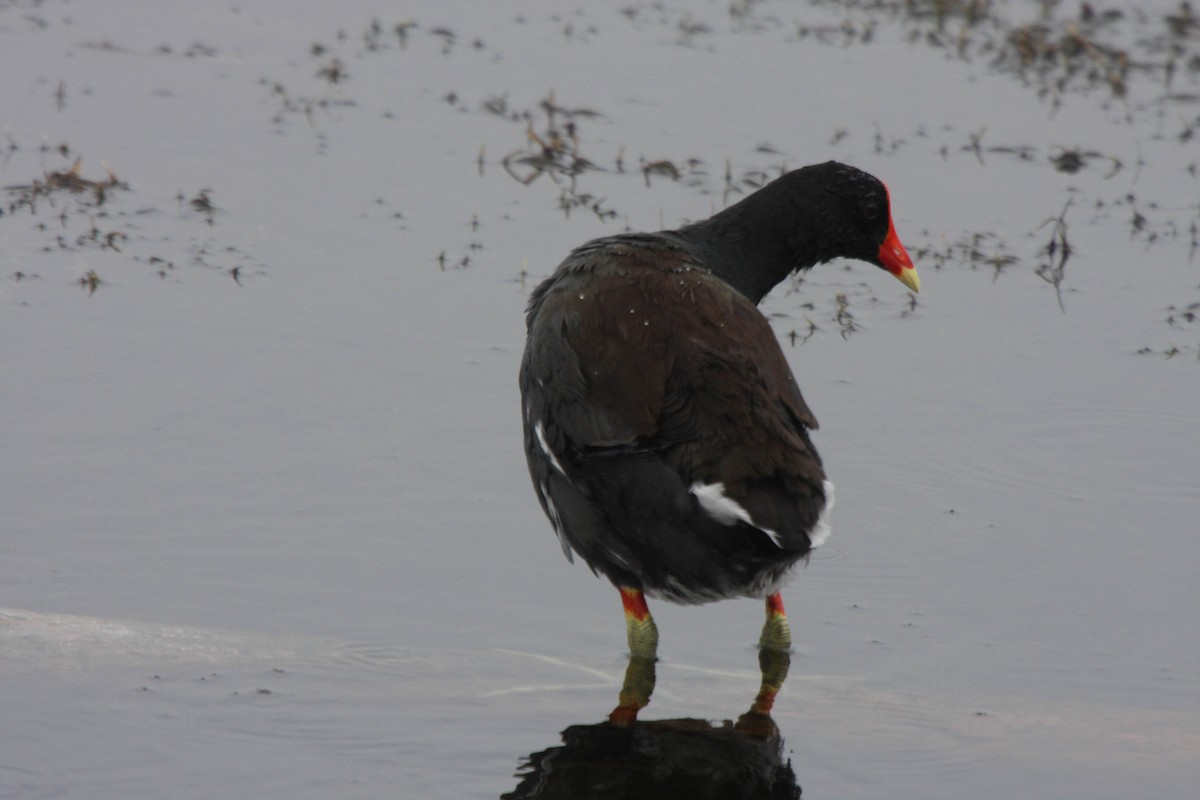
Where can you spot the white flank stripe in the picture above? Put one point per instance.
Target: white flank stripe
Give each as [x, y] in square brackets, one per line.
[556, 521]
[724, 509]
[540, 432]
[820, 532]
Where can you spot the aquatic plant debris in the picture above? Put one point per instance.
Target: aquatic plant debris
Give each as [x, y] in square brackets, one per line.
[584, 158]
[92, 213]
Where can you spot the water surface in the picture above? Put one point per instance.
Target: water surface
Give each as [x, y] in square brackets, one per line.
[266, 525]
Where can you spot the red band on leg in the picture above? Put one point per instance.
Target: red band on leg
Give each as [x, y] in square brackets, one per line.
[635, 603]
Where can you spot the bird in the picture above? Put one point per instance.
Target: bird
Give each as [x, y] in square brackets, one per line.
[665, 434]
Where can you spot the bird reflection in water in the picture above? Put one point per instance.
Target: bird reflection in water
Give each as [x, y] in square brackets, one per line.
[668, 759]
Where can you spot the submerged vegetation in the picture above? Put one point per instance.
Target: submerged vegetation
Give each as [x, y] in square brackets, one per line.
[1145, 69]
[1141, 68]
[73, 212]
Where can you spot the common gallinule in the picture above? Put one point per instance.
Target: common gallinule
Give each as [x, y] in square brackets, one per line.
[666, 437]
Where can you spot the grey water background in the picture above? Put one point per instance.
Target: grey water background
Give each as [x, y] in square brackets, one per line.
[265, 527]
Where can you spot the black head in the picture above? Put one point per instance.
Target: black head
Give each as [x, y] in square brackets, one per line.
[852, 208]
[806, 217]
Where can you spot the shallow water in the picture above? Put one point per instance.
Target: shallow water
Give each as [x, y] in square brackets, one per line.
[309, 481]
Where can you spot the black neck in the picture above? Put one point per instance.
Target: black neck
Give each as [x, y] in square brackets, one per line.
[746, 246]
[806, 217]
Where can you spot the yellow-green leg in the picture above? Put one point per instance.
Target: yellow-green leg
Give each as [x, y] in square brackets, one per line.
[774, 660]
[640, 629]
[774, 655]
[642, 635]
[776, 635]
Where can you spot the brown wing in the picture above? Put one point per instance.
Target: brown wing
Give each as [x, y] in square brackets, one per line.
[661, 356]
[666, 439]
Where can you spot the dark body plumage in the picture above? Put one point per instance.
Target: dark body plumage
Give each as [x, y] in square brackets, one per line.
[666, 437]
